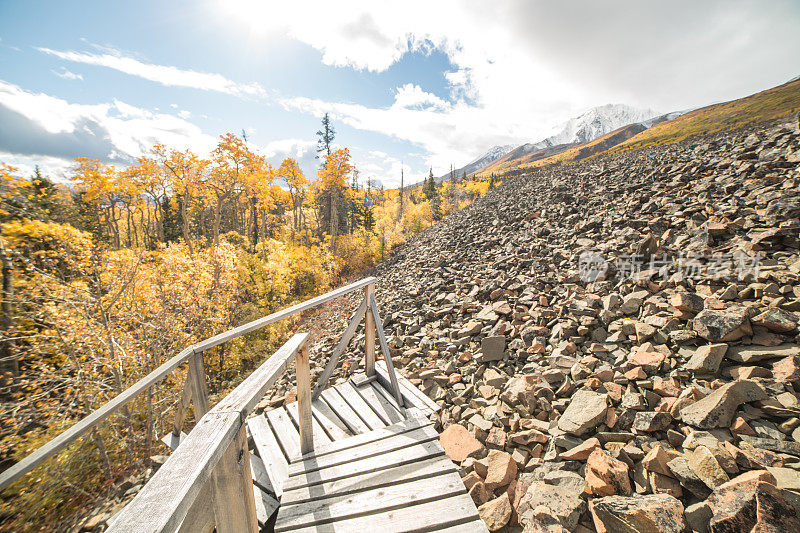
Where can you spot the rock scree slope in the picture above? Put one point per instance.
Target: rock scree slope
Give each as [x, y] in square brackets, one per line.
[616, 339]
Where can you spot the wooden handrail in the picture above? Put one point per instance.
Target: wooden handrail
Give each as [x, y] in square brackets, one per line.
[83, 426]
[163, 502]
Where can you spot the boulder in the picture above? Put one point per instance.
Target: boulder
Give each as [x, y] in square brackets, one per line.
[560, 503]
[502, 469]
[459, 444]
[606, 476]
[718, 408]
[706, 359]
[654, 513]
[495, 513]
[722, 325]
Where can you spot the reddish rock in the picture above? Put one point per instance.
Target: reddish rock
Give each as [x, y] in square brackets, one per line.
[635, 374]
[741, 427]
[479, 493]
[545, 504]
[496, 438]
[654, 513]
[657, 458]
[459, 444]
[502, 469]
[649, 421]
[649, 361]
[777, 320]
[718, 408]
[786, 370]
[606, 476]
[495, 513]
[582, 451]
[722, 325]
[687, 301]
[751, 502]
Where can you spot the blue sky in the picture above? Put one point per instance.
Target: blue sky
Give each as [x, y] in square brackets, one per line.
[423, 83]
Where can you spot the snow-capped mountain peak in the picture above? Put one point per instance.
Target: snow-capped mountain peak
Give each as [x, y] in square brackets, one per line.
[595, 122]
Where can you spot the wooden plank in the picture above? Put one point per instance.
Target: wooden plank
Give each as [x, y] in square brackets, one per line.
[385, 410]
[373, 501]
[200, 517]
[344, 412]
[260, 476]
[163, 502]
[266, 505]
[280, 315]
[381, 391]
[182, 407]
[339, 350]
[275, 463]
[387, 355]
[285, 432]
[233, 498]
[431, 516]
[305, 417]
[473, 526]
[171, 441]
[197, 382]
[319, 436]
[411, 392]
[369, 334]
[371, 449]
[410, 454]
[333, 426]
[409, 472]
[408, 424]
[357, 403]
[250, 391]
[16, 471]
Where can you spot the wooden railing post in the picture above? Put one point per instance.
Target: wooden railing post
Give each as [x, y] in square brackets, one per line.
[232, 481]
[198, 380]
[369, 333]
[304, 400]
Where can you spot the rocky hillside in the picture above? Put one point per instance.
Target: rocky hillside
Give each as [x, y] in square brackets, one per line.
[614, 343]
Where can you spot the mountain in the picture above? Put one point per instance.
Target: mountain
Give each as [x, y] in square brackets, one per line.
[596, 122]
[493, 154]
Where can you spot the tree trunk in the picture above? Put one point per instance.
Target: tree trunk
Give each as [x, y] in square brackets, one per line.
[9, 364]
[185, 225]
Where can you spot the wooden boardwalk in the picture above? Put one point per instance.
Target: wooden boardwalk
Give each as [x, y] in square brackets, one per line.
[375, 465]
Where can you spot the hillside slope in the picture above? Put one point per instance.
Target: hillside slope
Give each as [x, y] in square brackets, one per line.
[622, 386]
[760, 107]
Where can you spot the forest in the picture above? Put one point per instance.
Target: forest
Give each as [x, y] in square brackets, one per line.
[106, 276]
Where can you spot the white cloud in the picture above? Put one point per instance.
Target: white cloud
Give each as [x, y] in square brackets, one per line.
[165, 75]
[525, 66]
[66, 74]
[42, 126]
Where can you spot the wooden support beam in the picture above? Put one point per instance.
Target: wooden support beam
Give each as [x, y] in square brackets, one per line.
[197, 375]
[234, 501]
[304, 401]
[369, 333]
[387, 355]
[339, 350]
[183, 405]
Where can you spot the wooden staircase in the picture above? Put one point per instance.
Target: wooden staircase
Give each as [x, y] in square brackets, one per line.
[359, 456]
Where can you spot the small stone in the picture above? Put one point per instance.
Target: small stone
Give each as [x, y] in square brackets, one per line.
[657, 458]
[706, 359]
[649, 421]
[586, 410]
[459, 444]
[479, 493]
[492, 348]
[649, 361]
[653, 513]
[606, 476]
[582, 451]
[496, 439]
[687, 301]
[496, 513]
[705, 466]
[560, 503]
[502, 469]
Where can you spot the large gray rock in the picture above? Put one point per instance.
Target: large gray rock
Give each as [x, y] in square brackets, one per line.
[560, 502]
[718, 408]
[653, 513]
[492, 348]
[586, 410]
[706, 359]
[723, 324]
[752, 354]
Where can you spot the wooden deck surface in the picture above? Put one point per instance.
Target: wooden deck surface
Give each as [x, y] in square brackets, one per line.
[376, 466]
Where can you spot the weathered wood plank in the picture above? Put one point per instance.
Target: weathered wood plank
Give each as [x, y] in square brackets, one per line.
[266, 505]
[332, 424]
[387, 355]
[371, 449]
[386, 411]
[357, 403]
[344, 412]
[339, 350]
[280, 315]
[473, 526]
[284, 430]
[387, 396]
[430, 516]
[233, 498]
[319, 436]
[182, 407]
[197, 382]
[305, 417]
[391, 459]
[260, 476]
[200, 517]
[410, 391]
[372, 501]
[163, 502]
[275, 463]
[409, 472]
[408, 424]
[369, 334]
